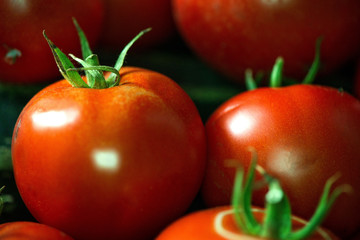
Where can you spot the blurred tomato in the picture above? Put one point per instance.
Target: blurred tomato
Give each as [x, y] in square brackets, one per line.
[30, 231]
[232, 35]
[21, 26]
[125, 18]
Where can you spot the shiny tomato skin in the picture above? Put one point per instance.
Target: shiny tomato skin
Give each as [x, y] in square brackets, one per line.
[30, 231]
[232, 35]
[117, 163]
[126, 18]
[201, 225]
[21, 27]
[303, 135]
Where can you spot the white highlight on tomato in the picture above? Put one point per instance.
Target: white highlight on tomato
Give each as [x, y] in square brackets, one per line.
[54, 119]
[106, 159]
[273, 2]
[241, 123]
[20, 6]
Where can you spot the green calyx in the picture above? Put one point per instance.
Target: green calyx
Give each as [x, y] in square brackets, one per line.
[276, 77]
[277, 223]
[90, 64]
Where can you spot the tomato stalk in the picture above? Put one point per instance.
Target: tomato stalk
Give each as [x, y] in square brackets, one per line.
[12, 55]
[277, 223]
[90, 63]
[277, 74]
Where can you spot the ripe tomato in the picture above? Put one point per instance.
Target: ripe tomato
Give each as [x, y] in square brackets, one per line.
[218, 223]
[21, 26]
[234, 35]
[112, 163]
[30, 231]
[303, 134]
[124, 19]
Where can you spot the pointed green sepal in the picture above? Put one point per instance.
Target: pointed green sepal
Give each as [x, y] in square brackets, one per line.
[241, 199]
[85, 47]
[64, 63]
[277, 222]
[120, 61]
[276, 74]
[325, 203]
[310, 77]
[249, 80]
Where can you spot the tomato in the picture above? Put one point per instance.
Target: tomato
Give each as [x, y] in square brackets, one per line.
[30, 231]
[303, 135]
[218, 223]
[125, 18]
[242, 221]
[232, 36]
[112, 163]
[21, 26]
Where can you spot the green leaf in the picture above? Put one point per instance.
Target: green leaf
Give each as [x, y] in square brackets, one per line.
[241, 200]
[326, 201]
[64, 63]
[94, 75]
[277, 222]
[276, 74]
[120, 61]
[249, 80]
[310, 77]
[85, 47]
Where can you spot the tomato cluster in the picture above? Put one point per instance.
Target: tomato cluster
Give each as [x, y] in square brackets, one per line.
[143, 151]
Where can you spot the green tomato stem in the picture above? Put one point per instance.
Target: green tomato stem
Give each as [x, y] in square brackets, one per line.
[63, 64]
[120, 61]
[90, 64]
[310, 77]
[276, 74]
[277, 222]
[85, 47]
[249, 80]
[12, 55]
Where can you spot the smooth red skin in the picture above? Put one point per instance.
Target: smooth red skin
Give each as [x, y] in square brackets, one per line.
[30, 231]
[232, 35]
[126, 18]
[303, 135]
[21, 27]
[200, 225]
[149, 121]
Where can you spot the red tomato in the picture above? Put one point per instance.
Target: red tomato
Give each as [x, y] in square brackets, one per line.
[125, 18]
[116, 163]
[21, 26]
[218, 223]
[303, 135]
[232, 35]
[30, 231]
